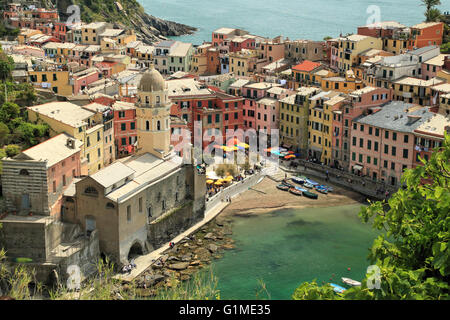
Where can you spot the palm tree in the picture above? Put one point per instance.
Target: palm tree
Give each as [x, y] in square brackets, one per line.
[431, 13]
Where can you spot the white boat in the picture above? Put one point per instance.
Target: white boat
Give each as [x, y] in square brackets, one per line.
[351, 282]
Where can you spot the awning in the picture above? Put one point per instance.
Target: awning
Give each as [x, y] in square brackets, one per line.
[357, 167]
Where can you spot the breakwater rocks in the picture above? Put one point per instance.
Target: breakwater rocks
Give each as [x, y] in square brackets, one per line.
[188, 256]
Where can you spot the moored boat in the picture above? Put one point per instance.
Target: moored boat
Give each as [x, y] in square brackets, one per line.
[310, 195]
[308, 185]
[301, 189]
[321, 190]
[351, 282]
[314, 183]
[298, 180]
[286, 183]
[337, 288]
[295, 191]
[283, 187]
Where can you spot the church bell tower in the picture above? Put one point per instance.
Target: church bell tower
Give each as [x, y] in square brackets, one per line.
[153, 115]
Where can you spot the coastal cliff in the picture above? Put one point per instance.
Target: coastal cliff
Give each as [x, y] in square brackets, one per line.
[123, 13]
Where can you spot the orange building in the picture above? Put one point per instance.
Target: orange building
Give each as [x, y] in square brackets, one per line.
[426, 34]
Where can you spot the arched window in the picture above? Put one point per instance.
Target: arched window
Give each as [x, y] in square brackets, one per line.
[158, 125]
[24, 172]
[91, 191]
[147, 125]
[110, 205]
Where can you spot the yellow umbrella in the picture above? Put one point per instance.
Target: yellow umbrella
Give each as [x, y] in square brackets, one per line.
[218, 183]
[209, 181]
[229, 178]
[243, 145]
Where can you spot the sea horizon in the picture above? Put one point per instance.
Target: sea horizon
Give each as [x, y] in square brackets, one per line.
[295, 19]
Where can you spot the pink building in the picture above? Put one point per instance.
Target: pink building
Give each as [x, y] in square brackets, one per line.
[431, 67]
[83, 78]
[383, 142]
[252, 93]
[360, 102]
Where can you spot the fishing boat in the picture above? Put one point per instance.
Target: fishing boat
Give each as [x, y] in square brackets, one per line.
[321, 190]
[298, 180]
[329, 189]
[301, 189]
[310, 195]
[295, 191]
[337, 288]
[308, 185]
[286, 183]
[314, 183]
[283, 187]
[351, 282]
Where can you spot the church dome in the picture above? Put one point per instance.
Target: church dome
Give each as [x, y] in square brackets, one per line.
[151, 81]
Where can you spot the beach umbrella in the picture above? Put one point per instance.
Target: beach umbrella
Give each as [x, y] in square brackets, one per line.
[209, 181]
[218, 183]
[243, 145]
[291, 152]
[229, 178]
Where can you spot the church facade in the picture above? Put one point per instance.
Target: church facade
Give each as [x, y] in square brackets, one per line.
[141, 202]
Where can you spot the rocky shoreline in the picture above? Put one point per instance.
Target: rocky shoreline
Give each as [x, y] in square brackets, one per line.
[187, 257]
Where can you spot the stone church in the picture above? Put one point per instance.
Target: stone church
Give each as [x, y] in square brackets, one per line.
[141, 202]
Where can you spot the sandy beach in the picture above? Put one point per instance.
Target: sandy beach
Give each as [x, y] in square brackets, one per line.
[265, 197]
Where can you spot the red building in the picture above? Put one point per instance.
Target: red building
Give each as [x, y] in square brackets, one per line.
[426, 34]
[193, 101]
[125, 132]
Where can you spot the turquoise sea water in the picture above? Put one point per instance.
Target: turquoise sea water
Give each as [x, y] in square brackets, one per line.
[287, 247]
[296, 19]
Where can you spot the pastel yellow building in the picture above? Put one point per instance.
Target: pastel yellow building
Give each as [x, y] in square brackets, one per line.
[320, 125]
[350, 47]
[294, 111]
[346, 84]
[414, 90]
[90, 33]
[243, 63]
[53, 79]
[444, 105]
[77, 122]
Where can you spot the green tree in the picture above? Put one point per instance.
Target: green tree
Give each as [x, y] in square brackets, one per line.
[6, 66]
[4, 133]
[9, 111]
[413, 253]
[431, 12]
[12, 150]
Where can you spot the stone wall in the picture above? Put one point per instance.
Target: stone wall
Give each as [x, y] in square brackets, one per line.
[172, 224]
[16, 185]
[24, 239]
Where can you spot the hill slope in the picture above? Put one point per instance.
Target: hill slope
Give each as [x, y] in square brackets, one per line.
[148, 28]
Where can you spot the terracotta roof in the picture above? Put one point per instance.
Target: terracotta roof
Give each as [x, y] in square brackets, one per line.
[306, 66]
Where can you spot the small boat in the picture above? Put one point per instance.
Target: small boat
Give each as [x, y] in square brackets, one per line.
[308, 185]
[321, 190]
[284, 182]
[351, 282]
[283, 187]
[337, 288]
[310, 195]
[298, 180]
[295, 191]
[314, 183]
[301, 189]
[329, 189]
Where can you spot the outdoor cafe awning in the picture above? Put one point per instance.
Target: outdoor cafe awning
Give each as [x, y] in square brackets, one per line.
[357, 167]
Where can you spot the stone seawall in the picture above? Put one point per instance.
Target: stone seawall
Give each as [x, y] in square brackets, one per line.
[171, 224]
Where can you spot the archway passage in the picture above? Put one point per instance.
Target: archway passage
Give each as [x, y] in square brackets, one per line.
[135, 250]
